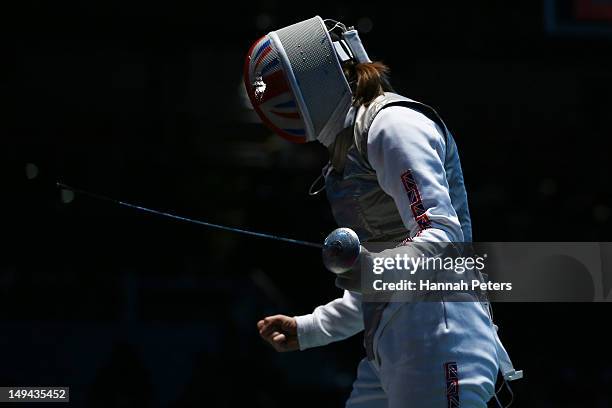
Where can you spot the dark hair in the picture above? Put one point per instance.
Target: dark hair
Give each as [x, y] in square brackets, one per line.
[368, 80]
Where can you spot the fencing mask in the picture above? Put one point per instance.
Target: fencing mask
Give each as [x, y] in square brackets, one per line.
[295, 81]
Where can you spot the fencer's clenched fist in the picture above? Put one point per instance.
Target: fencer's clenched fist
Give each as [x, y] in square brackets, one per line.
[280, 331]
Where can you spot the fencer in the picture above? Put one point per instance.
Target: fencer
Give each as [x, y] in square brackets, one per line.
[394, 175]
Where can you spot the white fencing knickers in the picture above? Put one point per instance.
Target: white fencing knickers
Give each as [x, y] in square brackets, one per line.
[429, 355]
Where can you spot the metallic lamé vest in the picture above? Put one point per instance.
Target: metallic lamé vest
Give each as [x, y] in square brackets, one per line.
[357, 200]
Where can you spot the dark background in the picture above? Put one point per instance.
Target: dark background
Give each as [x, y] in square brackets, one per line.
[142, 101]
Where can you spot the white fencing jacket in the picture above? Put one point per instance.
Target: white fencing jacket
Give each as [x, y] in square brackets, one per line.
[408, 151]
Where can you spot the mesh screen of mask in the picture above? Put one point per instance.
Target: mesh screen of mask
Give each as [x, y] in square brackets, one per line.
[316, 68]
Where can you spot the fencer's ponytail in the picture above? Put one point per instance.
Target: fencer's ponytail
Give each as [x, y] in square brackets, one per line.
[368, 80]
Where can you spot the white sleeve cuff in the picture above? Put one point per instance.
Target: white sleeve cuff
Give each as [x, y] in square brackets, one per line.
[306, 331]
